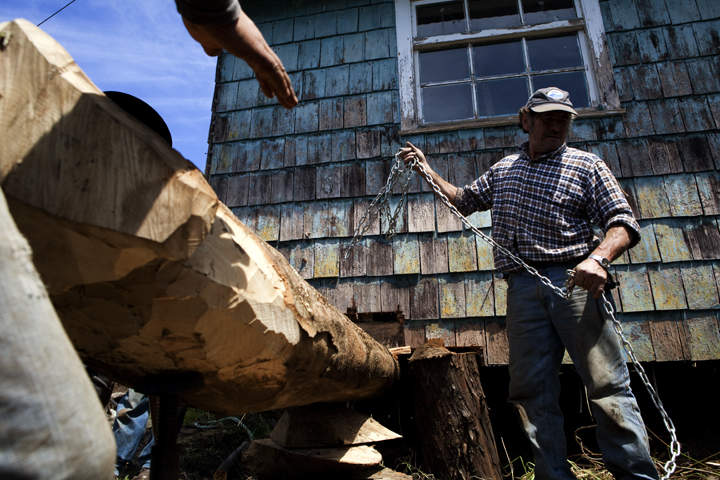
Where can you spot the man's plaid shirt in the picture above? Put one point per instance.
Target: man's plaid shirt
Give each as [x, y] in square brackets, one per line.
[544, 210]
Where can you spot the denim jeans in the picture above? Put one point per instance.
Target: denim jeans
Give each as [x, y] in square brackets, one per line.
[129, 430]
[540, 326]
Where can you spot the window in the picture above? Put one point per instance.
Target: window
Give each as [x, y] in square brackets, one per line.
[477, 61]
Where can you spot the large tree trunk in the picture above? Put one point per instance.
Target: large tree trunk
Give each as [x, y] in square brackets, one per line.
[157, 282]
[454, 430]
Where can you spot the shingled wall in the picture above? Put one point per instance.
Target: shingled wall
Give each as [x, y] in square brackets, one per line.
[303, 178]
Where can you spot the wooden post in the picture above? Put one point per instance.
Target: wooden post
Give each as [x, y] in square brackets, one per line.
[454, 431]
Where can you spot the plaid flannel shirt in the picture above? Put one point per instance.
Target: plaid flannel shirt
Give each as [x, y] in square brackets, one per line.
[544, 210]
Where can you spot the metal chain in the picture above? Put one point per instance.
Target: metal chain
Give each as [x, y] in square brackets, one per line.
[401, 170]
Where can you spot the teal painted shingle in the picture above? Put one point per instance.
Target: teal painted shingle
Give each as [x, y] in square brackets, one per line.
[331, 51]
[651, 197]
[289, 55]
[336, 80]
[273, 153]
[666, 116]
[343, 147]
[368, 142]
[354, 111]
[309, 54]
[452, 297]
[306, 117]
[682, 11]
[652, 12]
[327, 257]
[646, 249]
[347, 20]
[325, 24]
[708, 9]
[292, 222]
[304, 28]
[479, 298]
[696, 114]
[384, 74]
[331, 114]
[282, 31]
[671, 241]
[683, 195]
[461, 252]
[707, 35]
[637, 331]
[704, 73]
[645, 81]
[262, 120]
[667, 288]
[680, 41]
[379, 108]
[700, 286]
[703, 336]
[360, 80]
[652, 45]
[674, 79]
[268, 223]
[377, 44]
[623, 14]
[313, 85]
[634, 288]
[320, 148]
[708, 184]
[406, 255]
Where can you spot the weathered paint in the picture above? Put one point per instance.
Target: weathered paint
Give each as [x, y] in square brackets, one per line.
[301, 256]
[406, 254]
[471, 333]
[498, 352]
[708, 184]
[700, 286]
[327, 256]
[339, 216]
[479, 297]
[452, 297]
[651, 197]
[646, 249]
[421, 213]
[703, 335]
[480, 219]
[637, 330]
[433, 254]
[667, 287]
[671, 241]
[634, 288]
[292, 222]
[683, 195]
[485, 258]
[461, 252]
[268, 223]
[316, 224]
[443, 330]
[500, 292]
[424, 299]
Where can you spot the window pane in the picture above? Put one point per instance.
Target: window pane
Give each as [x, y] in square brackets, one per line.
[495, 14]
[498, 58]
[554, 52]
[543, 11]
[574, 83]
[444, 65]
[440, 18]
[447, 102]
[501, 97]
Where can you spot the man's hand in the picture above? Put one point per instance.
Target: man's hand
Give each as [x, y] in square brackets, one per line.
[410, 152]
[243, 39]
[590, 276]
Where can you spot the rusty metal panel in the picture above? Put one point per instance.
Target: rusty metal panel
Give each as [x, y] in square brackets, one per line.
[444, 330]
[703, 238]
[379, 260]
[703, 335]
[406, 254]
[479, 298]
[316, 224]
[646, 249]
[301, 256]
[360, 208]
[666, 332]
[327, 256]
[708, 184]
[667, 287]
[500, 292]
[484, 250]
[461, 252]
[421, 212]
[671, 241]
[452, 297]
[433, 254]
[339, 218]
[367, 295]
[636, 329]
[268, 223]
[424, 299]
[683, 195]
[498, 352]
[292, 222]
[635, 293]
[700, 286]
[651, 197]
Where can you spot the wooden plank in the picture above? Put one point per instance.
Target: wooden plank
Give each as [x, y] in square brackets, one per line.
[682, 193]
[444, 330]
[316, 225]
[395, 296]
[452, 297]
[646, 249]
[292, 222]
[268, 223]
[461, 169]
[635, 293]
[379, 258]
[666, 336]
[261, 190]
[636, 329]
[371, 223]
[667, 287]
[462, 252]
[484, 251]
[339, 218]
[415, 334]
[628, 188]
[446, 221]
[301, 256]
[433, 254]
[327, 256]
[700, 286]
[634, 157]
[708, 184]
[471, 333]
[651, 197]
[500, 293]
[353, 179]
[703, 238]
[400, 219]
[421, 212]
[304, 184]
[354, 263]
[424, 299]
[479, 297]
[498, 351]
[695, 153]
[237, 190]
[328, 181]
[671, 240]
[406, 254]
[281, 187]
[664, 156]
[703, 335]
[367, 296]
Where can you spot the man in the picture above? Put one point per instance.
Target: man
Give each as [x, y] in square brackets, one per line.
[545, 201]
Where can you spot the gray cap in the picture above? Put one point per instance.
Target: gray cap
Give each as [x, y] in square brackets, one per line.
[549, 99]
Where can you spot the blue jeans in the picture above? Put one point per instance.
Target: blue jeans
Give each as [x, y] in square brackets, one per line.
[540, 326]
[129, 430]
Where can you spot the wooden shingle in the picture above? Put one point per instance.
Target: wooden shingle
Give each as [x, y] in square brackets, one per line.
[237, 191]
[703, 238]
[301, 256]
[328, 181]
[479, 297]
[339, 218]
[327, 256]
[353, 179]
[708, 184]
[471, 333]
[485, 258]
[668, 337]
[444, 330]
[292, 222]
[400, 219]
[421, 212]
[304, 184]
[415, 334]
[695, 153]
[634, 157]
[671, 240]
[646, 249]
[360, 212]
[353, 260]
[664, 156]
[452, 297]
[379, 258]
[634, 289]
[268, 223]
[674, 78]
[367, 295]
[395, 296]
[498, 352]
[433, 254]
[261, 191]
[651, 197]
[424, 299]
[461, 252]
[500, 293]
[700, 286]
[446, 220]
[636, 329]
[682, 194]
[667, 287]
[406, 254]
[281, 186]
[316, 224]
[703, 335]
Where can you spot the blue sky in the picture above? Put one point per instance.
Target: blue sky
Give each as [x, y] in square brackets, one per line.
[138, 47]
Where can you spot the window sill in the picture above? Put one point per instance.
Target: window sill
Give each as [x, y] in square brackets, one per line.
[501, 122]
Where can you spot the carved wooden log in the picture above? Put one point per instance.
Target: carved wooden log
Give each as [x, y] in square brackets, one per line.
[156, 282]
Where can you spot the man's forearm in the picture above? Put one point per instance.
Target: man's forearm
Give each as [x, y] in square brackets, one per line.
[617, 240]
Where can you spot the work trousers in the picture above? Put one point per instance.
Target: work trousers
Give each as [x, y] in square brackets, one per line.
[52, 425]
[540, 326]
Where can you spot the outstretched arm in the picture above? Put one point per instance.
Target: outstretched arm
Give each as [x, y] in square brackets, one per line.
[410, 152]
[242, 38]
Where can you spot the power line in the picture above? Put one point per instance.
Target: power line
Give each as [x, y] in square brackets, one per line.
[58, 11]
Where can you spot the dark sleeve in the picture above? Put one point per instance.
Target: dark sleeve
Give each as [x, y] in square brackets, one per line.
[209, 11]
[477, 196]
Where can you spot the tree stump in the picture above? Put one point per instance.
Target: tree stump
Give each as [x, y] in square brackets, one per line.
[454, 432]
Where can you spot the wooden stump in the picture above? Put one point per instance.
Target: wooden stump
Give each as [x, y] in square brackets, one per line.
[454, 432]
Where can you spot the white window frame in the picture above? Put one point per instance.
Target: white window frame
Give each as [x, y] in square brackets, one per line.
[602, 91]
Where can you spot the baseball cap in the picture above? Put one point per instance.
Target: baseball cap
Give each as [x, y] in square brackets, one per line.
[549, 99]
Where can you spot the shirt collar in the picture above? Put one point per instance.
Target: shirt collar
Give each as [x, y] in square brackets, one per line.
[524, 149]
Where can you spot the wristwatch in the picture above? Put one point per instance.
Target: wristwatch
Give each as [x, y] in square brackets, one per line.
[604, 262]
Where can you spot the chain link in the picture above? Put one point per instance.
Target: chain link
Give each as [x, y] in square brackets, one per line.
[402, 171]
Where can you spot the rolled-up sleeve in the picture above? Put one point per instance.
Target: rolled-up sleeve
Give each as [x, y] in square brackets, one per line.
[205, 12]
[477, 196]
[608, 205]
